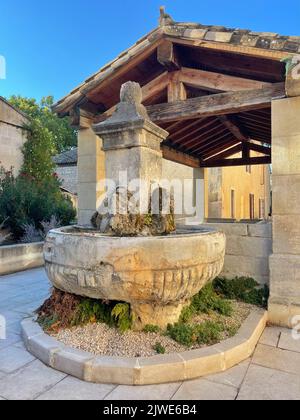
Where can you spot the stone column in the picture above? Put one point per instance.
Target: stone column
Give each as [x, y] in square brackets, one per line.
[132, 143]
[91, 170]
[284, 301]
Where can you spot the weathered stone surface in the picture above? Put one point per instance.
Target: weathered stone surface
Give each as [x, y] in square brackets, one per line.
[286, 234]
[152, 271]
[286, 190]
[285, 274]
[249, 246]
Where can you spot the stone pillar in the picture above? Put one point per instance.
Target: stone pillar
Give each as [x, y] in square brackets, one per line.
[91, 170]
[132, 142]
[284, 301]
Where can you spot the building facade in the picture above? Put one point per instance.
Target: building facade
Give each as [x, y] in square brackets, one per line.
[12, 136]
[238, 193]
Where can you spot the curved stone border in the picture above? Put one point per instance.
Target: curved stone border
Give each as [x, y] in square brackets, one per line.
[145, 371]
[20, 257]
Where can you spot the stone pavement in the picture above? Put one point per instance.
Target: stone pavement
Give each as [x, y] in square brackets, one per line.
[273, 373]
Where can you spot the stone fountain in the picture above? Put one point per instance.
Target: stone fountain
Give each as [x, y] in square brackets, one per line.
[132, 252]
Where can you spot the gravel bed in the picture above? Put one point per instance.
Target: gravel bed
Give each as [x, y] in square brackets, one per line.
[99, 339]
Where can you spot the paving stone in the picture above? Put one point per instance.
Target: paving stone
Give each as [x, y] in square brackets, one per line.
[147, 392]
[13, 358]
[204, 390]
[74, 389]
[233, 377]
[262, 383]
[278, 359]
[288, 342]
[11, 339]
[271, 336]
[29, 382]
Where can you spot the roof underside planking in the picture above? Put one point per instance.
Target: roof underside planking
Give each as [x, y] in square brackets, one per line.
[211, 88]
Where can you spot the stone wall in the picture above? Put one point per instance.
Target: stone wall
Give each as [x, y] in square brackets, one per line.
[14, 258]
[12, 136]
[284, 303]
[248, 249]
[69, 177]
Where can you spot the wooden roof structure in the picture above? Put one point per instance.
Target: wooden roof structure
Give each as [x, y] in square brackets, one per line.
[210, 87]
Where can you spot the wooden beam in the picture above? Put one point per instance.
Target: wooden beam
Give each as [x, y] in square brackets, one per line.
[219, 104]
[179, 157]
[227, 153]
[260, 149]
[265, 160]
[176, 89]
[217, 81]
[232, 48]
[167, 57]
[233, 127]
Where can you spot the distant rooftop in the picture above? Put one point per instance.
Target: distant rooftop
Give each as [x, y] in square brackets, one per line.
[66, 158]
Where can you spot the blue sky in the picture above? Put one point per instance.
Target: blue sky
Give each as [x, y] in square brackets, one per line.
[52, 46]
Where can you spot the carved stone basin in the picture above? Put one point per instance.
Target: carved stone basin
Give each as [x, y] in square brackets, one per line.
[157, 275]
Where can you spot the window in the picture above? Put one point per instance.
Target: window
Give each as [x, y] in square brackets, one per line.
[252, 206]
[262, 175]
[232, 204]
[248, 169]
[262, 208]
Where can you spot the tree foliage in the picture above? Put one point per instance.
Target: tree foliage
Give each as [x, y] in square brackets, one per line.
[63, 135]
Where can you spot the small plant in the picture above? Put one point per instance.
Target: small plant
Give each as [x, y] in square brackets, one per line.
[154, 329]
[159, 348]
[3, 236]
[31, 234]
[208, 332]
[123, 317]
[182, 333]
[244, 289]
[47, 226]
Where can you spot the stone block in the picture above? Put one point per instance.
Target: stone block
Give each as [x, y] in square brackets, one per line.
[71, 361]
[281, 312]
[246, 246]
[112, 370]
[260, 230]
[286, 195]
[285, 276]
[202, 362]
[167, 368]
[286, 154]
[246, 266]
[286, 234]
[285, 121]
[43, 347]
[288, 340]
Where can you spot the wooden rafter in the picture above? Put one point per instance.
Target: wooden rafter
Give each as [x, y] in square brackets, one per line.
[234, 128]
[216, 81]
[219, 104]
[264, 160]
[224, 154]
[179, 157]
[259, 148]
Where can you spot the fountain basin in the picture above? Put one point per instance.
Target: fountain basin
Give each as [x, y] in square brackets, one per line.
[157, 275]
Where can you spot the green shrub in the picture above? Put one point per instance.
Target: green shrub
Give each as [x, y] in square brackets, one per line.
[151, 329]
[123, 316]
[244, 289]
[24, 201]
[209, 332]
[182, 333]
[206, 301]
[159, 348]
